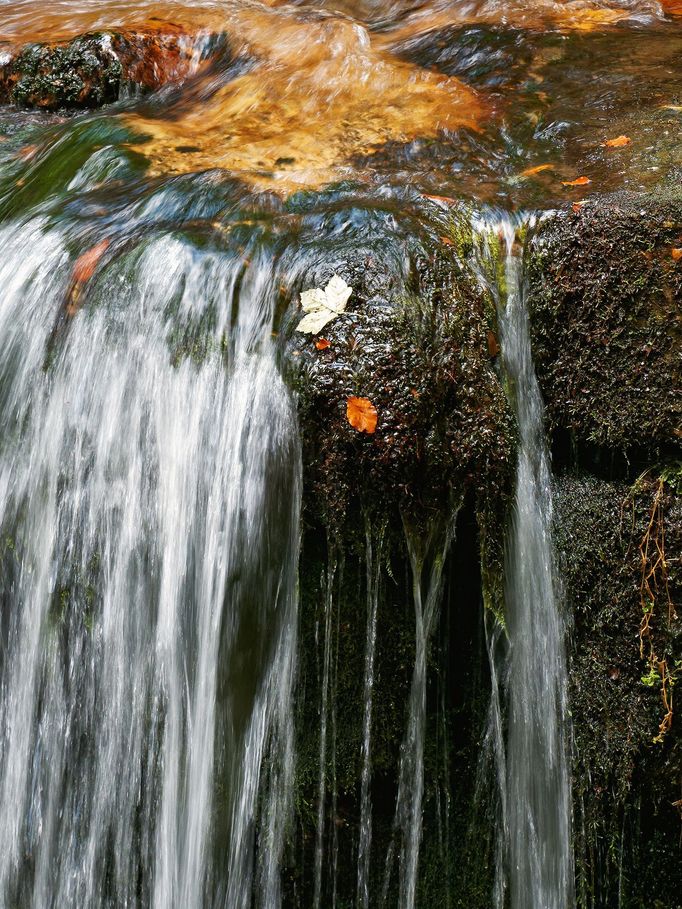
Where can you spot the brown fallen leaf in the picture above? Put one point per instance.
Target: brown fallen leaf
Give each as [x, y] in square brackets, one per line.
[531, 171]
[322, 343]
[618, 142]
[27, 152]
[578, 206]
[361, 414]
[579, 181]
[442, 200]
[677, 253]
[86, 263]
[493, 345]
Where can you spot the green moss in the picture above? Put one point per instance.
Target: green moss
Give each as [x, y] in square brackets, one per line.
[83, 73]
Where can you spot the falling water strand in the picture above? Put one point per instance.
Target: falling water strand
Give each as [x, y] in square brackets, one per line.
[493, 758]
[324, 717]
[150, 605]
[427, 553]
[538, 785]
[373, 562]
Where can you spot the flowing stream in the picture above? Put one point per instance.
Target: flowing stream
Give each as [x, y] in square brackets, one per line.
[536, 864]
[148, 640]
[153, 253]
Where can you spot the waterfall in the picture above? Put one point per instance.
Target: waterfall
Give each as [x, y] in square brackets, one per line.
[149, 504]
[324, 722]
[537, 789]
[427, 553]
[373, 556]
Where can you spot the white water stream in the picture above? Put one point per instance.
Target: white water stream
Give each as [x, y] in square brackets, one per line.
[536, 863]
[149, 515]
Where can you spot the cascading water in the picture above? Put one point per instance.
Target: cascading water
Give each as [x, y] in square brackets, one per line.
[427, 554]
[537, 790]
[324, 723]
[373, 556]
[150, 511]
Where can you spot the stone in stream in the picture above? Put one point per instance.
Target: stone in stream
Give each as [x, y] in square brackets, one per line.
[94, 69]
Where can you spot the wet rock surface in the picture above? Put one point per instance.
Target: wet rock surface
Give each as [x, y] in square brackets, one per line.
[625, 785]
[605, 292]
[94, 69]
[422, 349]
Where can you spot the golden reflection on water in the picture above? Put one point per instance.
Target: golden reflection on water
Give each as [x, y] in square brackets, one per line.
[320, 91]
[319, 96]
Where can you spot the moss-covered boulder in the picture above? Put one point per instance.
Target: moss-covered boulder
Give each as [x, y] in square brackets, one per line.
[605, 291]
[93, 69]
[627, 776]
[417, 342]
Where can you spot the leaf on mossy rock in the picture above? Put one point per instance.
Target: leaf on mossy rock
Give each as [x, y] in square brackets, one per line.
[677, 253]
[361, 414]
[322, 306]
[618, 142]
[322, 344]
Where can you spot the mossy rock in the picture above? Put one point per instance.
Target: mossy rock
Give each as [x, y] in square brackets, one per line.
[417, 346]
[84, 73]
[95, 69]
[624, 784]
[605, 294]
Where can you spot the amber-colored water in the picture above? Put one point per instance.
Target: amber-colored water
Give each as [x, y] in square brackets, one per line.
[484, 99]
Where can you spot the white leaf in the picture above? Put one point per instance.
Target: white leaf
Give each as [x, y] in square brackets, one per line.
[323, 305]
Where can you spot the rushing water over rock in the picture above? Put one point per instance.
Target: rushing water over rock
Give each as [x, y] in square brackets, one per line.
[150, 619]
[373, 555]
[427, 552]
[536, 801]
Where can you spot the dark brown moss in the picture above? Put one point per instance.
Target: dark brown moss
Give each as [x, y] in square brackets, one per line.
[420, 354]
[606, 299]
[626, 828]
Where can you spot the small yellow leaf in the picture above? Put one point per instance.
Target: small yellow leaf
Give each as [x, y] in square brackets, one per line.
[361, 414]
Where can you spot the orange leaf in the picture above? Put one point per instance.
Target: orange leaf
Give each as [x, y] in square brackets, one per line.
[361, 414]
[677, 253]
[443, 200]
[86, 263]
[530, 171]
[447, 241]
[322, 343]
[578, 206]
[618, 142]
[27, 152]
[579, 181]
